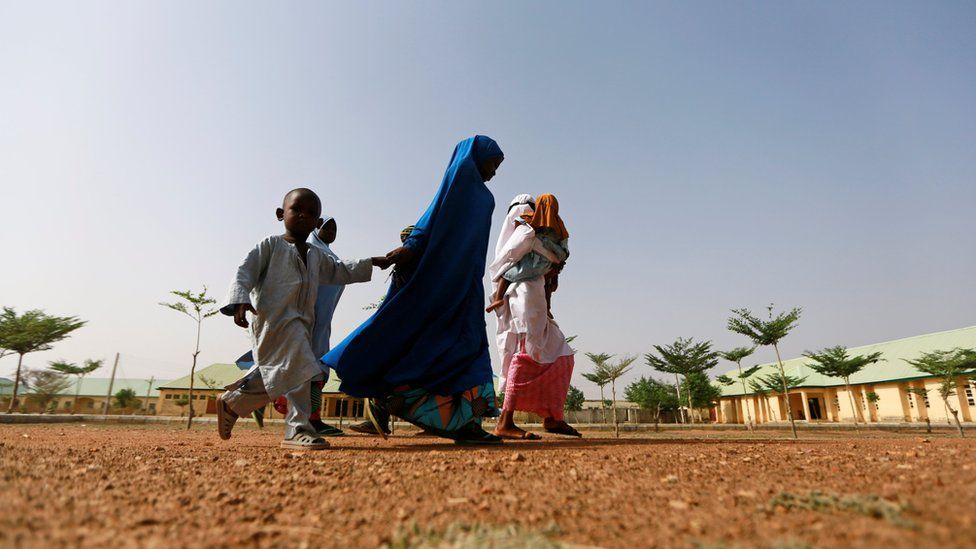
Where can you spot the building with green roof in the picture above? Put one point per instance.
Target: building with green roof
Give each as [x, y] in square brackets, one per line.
[821, 398]
[209, 383]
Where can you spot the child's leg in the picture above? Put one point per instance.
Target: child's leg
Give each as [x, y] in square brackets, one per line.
[498, 299]
[299, 408]
[247, 395]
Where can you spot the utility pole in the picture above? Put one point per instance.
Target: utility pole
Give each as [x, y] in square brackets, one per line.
[149, 390]
[111, 382]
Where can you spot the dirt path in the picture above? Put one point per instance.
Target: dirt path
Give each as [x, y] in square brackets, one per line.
[160, 486]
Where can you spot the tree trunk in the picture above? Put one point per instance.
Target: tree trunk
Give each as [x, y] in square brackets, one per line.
[13, 396]
[854, 408]
[74, 403]
[193, 369]
[657, 418]
[603, 405]
[745, 403]
[677, 387]
[613, 393]
[691, 408]
[786, 392]
[955, 416]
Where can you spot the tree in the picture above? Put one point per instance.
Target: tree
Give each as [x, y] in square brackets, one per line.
[31, 332]
[737, 355]
[768, 333]
[836, 362]
[700, 391]
[181, 402]
[683, 357]
[774, 384]
[125, 398]
[574, 399]
[651, 394]
[69, 368]
[198, 310]
[599, 377]
[948, 366]
[45, 386]
[615, 371]
[922, 395]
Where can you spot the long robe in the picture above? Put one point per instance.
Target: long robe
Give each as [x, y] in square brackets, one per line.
[430, 332]
[524, 317]
[538, 363]
[283, 289]
[325, 304]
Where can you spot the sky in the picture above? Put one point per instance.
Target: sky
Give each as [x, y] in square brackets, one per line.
[706, 155]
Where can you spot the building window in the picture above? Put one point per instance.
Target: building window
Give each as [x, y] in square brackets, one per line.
[911, 401]
[925, 399]
[170, 396]
[969, 394]
[67, 404]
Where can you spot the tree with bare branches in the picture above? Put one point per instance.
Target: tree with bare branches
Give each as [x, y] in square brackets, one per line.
[197, 306]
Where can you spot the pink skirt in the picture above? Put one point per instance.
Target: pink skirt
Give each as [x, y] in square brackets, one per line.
[538, 388]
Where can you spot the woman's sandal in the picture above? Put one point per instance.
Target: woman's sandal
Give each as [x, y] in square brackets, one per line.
[304, 441]
[474, 435]
[565, 429]
[372, 419]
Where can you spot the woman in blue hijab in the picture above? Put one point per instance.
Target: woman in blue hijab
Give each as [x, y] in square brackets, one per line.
[423, 356]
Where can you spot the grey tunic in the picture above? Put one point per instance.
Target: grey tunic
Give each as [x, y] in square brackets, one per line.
[284, 289]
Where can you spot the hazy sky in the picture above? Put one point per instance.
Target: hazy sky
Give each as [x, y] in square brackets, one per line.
[707, 155]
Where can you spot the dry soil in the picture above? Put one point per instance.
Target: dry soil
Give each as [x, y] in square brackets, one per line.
[155, 486]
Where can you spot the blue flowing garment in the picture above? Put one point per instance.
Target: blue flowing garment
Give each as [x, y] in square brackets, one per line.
[430, 333]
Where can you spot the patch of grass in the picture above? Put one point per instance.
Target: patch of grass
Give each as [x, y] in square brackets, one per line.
[870, 506]
[465, 536]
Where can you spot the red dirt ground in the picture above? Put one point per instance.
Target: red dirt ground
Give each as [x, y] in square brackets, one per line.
[161, 486]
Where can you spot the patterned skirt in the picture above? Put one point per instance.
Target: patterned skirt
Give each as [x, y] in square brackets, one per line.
[538, 388]
[439, 414]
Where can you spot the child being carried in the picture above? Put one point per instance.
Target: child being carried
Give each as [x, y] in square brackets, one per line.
[550, 250]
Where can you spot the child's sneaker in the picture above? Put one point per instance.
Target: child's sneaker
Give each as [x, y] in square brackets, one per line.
[226, 418]
[304, 441]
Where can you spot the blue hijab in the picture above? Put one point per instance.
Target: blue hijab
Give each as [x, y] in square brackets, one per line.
[430, 332]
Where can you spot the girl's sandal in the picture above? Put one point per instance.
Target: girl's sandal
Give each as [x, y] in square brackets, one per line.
[304, 441]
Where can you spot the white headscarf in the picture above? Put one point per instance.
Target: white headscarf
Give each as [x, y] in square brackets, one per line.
[520, 205]
[319, 243]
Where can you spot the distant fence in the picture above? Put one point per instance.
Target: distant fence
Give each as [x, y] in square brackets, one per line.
[596, 415]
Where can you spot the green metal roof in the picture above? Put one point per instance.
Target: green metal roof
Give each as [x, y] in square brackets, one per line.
[891, 367]
[224, 374]
[98, 386]
[220, 375]
[6, 386]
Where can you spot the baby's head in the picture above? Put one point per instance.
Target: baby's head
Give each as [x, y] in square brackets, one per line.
[300, 211]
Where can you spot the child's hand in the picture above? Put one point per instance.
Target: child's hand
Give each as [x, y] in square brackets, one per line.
[382, 262]
[240, 316]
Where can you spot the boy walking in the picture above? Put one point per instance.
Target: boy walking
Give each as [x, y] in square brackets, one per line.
[282, 274]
